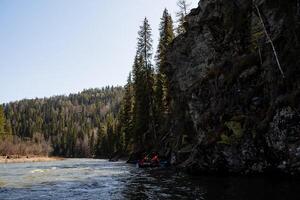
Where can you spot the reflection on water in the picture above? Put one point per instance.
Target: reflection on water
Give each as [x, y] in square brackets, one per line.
[99, 179]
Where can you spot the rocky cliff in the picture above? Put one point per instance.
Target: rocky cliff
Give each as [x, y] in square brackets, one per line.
[235, 83]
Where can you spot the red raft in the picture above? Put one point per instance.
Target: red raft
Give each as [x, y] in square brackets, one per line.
[149, 163]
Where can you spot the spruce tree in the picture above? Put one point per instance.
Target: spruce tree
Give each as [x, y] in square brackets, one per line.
[126, 113]
[162, 94]
[144, 46]
[100, 141]
[143, 104]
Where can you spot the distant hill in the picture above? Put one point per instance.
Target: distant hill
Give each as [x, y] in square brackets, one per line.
[76, 125]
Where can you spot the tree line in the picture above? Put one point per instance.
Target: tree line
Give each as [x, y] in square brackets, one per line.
[146, 107]
[78, 125]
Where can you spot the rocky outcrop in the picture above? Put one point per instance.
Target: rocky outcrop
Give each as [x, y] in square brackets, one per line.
[233, 110]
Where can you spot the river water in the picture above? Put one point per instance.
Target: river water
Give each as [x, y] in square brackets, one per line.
[100, 179]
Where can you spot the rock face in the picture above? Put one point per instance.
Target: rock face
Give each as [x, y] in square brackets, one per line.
[233, 110]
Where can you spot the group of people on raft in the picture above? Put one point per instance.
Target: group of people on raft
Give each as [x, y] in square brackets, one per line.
[150, 160]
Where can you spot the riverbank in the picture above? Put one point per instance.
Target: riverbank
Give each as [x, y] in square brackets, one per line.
[24, 159]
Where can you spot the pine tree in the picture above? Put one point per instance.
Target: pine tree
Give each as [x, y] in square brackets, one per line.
[166, 30]
[126, 113]
[140, 104]
[143, 105]
[181, 15]
[110, 133]
[144, 46]
[162, 94]
[99, 148]
[166, 37]
[120, 138]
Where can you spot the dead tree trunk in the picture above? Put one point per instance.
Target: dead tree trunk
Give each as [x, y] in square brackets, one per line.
[270, 40]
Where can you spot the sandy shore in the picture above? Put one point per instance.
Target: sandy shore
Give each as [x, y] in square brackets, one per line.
[23, 159]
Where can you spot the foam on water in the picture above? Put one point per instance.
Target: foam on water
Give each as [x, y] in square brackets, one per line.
[38, 171]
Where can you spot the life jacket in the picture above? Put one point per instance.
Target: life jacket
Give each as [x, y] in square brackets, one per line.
[155, 159]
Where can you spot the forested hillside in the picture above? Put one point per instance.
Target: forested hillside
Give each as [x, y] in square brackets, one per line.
[78, 125]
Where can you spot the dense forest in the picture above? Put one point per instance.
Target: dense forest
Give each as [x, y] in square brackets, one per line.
[100, 122]
[78, 125]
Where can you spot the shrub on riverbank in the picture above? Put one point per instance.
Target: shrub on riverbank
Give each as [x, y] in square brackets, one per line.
[13, 145]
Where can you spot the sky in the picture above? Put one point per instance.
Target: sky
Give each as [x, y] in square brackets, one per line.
[56, 47]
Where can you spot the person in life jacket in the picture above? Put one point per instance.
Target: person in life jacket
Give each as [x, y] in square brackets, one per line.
[155, 159]
[143, 160]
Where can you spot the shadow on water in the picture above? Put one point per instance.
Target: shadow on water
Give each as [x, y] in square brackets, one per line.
[157, 184]
[99, 179]
[160, 184]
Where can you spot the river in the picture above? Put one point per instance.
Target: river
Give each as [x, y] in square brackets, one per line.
[100, 179]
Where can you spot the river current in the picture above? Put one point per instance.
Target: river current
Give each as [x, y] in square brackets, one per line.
[100, 179]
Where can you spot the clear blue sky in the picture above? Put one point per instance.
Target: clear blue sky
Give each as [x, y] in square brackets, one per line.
[52, 47]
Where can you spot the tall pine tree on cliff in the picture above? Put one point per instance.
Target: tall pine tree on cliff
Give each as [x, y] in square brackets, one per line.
[143, 109]
[162, 94]
[140, 105]
[144, 46]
